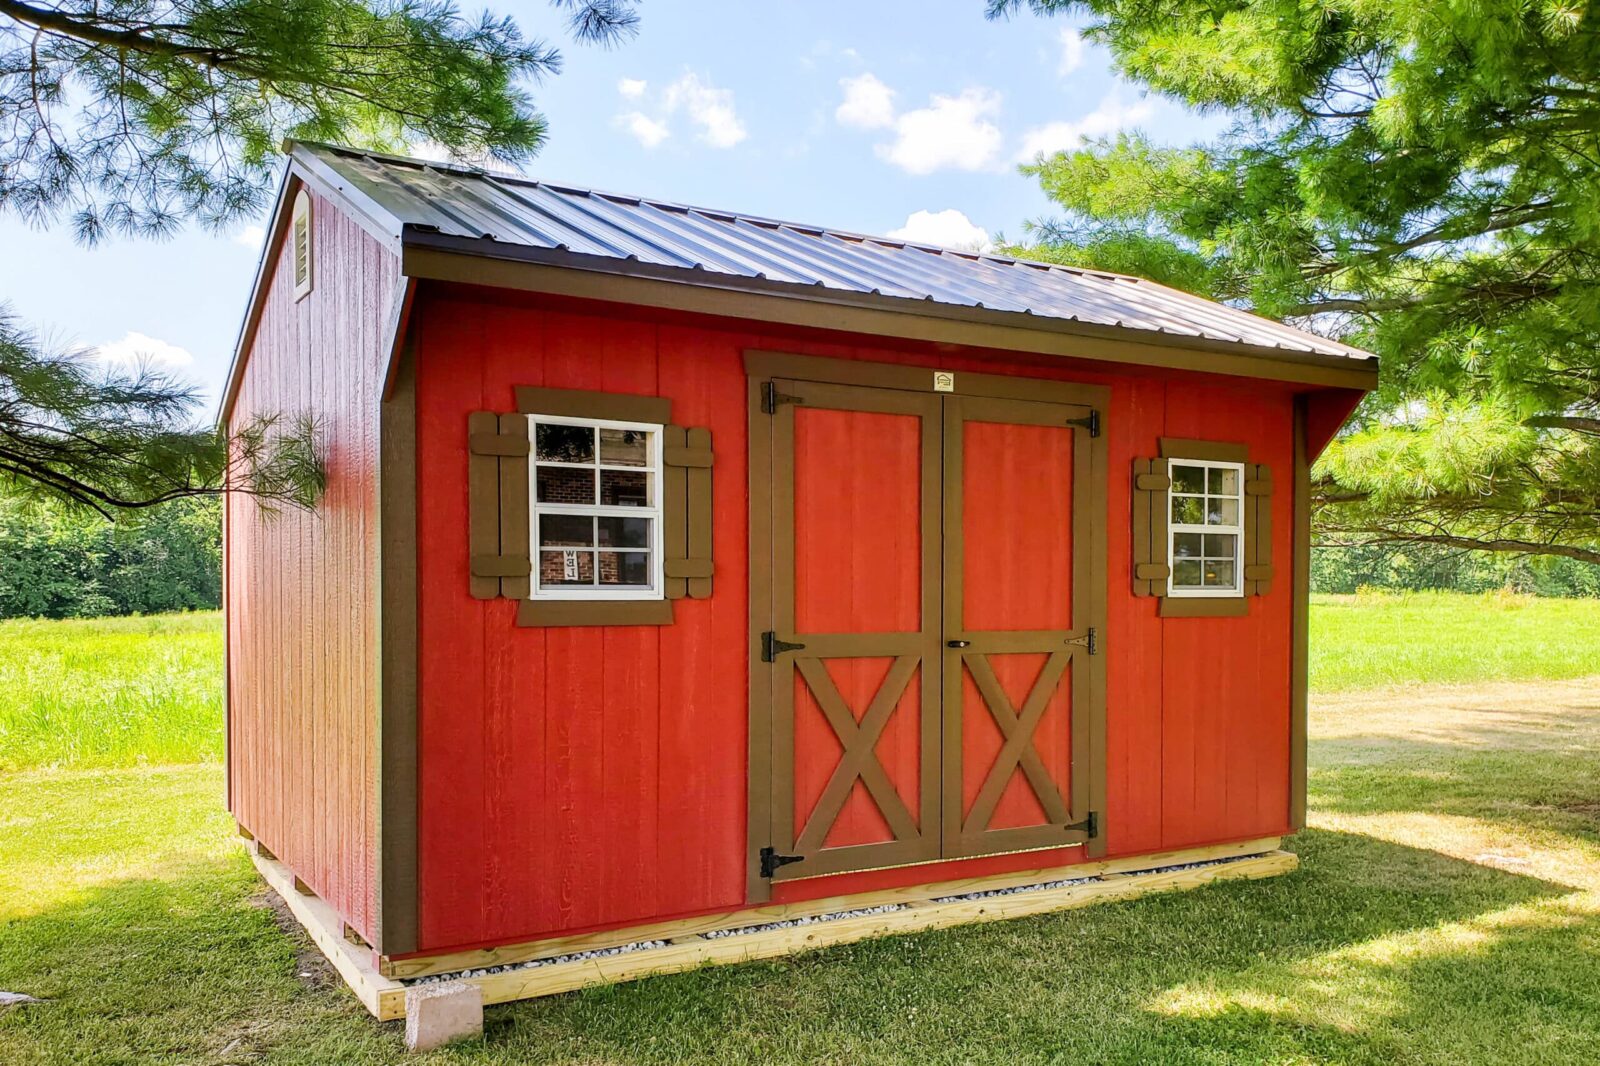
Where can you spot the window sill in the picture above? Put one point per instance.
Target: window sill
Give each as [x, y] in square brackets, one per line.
[594, 613]
[1204, 606]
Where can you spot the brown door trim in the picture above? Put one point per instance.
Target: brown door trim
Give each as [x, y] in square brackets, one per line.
[763, 365]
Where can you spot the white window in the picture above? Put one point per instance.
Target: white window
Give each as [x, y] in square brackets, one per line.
[1206, 528]
[596, 496]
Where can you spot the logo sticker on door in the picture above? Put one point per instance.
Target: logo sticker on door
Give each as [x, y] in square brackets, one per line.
[944, 381]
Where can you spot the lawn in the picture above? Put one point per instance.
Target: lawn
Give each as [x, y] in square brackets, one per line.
[1447, 911]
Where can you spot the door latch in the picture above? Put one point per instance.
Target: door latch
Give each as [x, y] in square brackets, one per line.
[958, 643]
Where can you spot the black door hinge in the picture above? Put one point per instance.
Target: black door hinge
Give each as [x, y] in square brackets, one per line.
[1090, 825]
[771, 860]
[772, 647]
[1090, 421]
[771, 398]
[1089, 640]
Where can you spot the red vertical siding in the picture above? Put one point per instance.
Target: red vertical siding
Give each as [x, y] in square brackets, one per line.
[301, 587]
[576, 778]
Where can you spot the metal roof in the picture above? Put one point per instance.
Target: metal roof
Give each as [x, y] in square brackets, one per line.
[512, 212]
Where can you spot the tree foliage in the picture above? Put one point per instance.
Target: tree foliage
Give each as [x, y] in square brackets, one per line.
[71, 429]
[60, 562]
[1420, 178]
[138, 116]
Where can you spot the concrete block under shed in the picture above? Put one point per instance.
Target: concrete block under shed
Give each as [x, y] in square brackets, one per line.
[439, 1014]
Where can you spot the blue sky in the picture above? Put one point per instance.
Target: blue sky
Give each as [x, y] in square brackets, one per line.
[882, 116]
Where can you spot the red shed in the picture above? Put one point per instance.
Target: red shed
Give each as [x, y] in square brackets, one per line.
[691, 586]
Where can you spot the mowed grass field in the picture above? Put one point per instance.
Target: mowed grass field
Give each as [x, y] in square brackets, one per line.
[1447, 910]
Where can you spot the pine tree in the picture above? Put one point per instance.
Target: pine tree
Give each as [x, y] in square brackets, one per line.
[1418, 177]
[136, 117]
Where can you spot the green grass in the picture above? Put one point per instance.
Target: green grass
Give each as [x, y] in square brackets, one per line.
[111, 691]
[1387, 639]
[1447, 910]
[1446, 913]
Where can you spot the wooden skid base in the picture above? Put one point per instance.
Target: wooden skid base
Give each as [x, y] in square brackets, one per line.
[687, 945]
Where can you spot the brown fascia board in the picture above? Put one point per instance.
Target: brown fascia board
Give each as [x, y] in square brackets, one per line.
[484, 261]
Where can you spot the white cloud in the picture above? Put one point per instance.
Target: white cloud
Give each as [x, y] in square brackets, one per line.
[632, 88]
[952, 131]
[1108, 117]
[250, 236]
[137, 349]
[708, 107]
[868, 103]
[646, 130]
[1071, 52]
[948, 229]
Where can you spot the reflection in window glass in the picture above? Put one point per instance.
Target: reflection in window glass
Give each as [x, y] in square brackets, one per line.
[564, 444]
[1207, 500]
[595, 511]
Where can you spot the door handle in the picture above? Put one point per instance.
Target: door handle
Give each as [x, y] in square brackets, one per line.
[958, 643]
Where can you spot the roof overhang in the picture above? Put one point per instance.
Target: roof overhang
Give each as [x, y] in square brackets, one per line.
[425, 254]
[490, 263]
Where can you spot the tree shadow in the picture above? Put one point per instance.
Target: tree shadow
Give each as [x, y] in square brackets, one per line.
[1098, 984]
[1317, 964]
[187, 967]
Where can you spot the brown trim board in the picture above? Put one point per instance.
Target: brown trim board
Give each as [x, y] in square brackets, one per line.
[1300, 618]
[811, 306]
[760, 364]
[397, 872]
[1215, 451]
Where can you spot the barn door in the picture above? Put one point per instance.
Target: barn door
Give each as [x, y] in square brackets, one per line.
[925, 687]
[854, 652]
[1018, 574]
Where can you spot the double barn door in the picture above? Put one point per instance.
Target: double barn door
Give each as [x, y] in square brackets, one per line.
[925, 686]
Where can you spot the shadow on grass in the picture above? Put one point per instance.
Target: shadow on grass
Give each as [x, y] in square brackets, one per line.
[189, 968]
[1311, 965]
[1116, 983]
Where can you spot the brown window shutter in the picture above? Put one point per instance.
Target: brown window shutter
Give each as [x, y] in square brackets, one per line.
[1258, 572]
[686, 512]
[1150, 564]
[515, 533]
[497, 505]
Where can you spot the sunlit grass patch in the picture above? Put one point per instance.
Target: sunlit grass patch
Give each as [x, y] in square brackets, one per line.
[1377, 639]
[111, 691]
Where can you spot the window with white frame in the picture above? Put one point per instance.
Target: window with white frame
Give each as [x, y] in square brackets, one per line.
[596, 509]
[1206, 528]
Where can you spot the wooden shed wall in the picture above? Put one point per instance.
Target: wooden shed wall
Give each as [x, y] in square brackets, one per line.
[301, 587]
[579, 778]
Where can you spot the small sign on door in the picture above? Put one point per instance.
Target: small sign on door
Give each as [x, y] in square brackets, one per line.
[569, 566]
[944, 381]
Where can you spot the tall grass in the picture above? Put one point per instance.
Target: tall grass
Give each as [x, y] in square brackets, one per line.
[111, 691]
[1375, 639]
